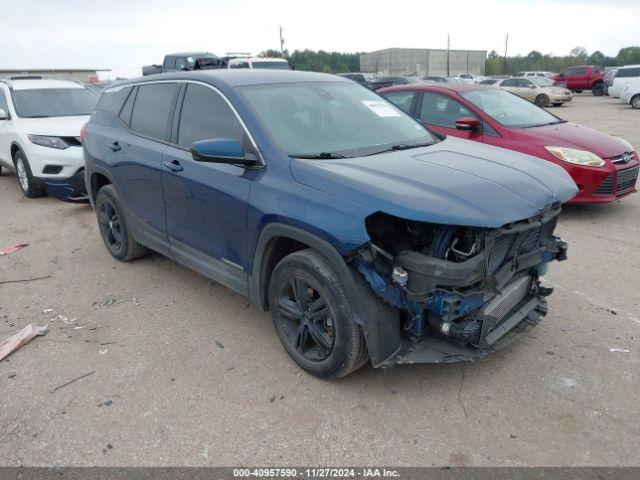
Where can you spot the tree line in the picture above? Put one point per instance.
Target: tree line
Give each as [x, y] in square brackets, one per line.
[337, 62]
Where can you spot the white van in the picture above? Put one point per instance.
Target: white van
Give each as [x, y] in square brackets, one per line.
[259, 62]
[624, 76]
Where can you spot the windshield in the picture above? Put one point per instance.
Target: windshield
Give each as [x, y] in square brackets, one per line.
[509, 109]
[271, 65]
[54, 102]
[337, 118]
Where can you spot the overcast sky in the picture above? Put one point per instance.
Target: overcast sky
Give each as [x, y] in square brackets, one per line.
[124, 35]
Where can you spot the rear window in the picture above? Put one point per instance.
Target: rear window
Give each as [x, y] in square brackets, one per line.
[152, 109]
[112, 99]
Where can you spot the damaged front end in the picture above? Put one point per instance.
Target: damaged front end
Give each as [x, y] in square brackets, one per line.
[461, 291]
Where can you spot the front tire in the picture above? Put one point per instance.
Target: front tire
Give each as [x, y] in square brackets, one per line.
[557, 104]
[635, 101]
[542, 100]
[312, 314]
[113, 227]
[31, 187]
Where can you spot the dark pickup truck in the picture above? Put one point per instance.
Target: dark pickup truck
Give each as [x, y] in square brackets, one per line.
[186, 61]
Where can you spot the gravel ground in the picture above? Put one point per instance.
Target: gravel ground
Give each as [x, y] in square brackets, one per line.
[187, 373]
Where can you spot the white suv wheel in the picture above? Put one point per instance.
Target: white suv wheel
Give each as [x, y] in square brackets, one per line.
[22, 174]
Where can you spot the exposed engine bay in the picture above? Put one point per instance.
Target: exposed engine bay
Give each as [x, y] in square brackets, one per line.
[472, 286]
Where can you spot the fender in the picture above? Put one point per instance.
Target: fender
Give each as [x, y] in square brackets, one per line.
[379, 321]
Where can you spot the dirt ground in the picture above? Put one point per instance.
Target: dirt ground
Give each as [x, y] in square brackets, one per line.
[187, 373]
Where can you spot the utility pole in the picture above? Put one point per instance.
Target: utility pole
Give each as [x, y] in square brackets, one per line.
[448, 53]
[506, 45]
[281, 42]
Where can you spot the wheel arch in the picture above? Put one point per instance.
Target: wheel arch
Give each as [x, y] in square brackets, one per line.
[97, 179]
[15, 146]
[378, 320]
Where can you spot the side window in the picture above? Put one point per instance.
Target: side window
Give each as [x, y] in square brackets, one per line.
[441, 110]
[112, 99]
[402, 100]
[523, 83]
[509, 82]
[628, 72]
[568, 72]
[152, 109]
[181, 63]
[169, 63]
[597, 70]
[3, 101]
[239, 65]
[580, 71]
[125, 113]
[206, 115]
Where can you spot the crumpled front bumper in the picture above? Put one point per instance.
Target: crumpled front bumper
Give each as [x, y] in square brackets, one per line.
[71, 189]
[436, 348]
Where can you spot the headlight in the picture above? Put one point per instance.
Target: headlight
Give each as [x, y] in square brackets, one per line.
[579, 157]
[47, 141]
[559, 92]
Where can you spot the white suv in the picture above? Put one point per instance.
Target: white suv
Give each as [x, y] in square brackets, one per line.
[631, 94]
[40, 123]
[624, 76]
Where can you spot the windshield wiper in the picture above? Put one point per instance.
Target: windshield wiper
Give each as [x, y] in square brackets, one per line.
[318, 156]
[402, 146]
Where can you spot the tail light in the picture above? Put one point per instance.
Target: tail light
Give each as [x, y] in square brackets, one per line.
[83, 131]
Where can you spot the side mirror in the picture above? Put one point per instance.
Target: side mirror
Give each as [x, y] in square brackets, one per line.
[468, 123]
[222, 150]
[3, 114]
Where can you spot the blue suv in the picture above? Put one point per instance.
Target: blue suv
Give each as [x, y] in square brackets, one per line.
[367, 236]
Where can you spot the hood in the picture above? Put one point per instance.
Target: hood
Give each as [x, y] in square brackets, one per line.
[55, 126]
[456, 182]
[573, 136]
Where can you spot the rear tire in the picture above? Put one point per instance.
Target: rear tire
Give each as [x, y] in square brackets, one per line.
[113, 227]
[635, 101]
[598, 89]
[542, 100]
[31, 187]
[312, 314]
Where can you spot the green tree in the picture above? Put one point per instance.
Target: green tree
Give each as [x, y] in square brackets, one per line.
[628, 56]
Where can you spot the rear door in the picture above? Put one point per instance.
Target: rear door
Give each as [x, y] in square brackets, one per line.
[136, 164]
[403, 99]
[206, 203]
[440, 112]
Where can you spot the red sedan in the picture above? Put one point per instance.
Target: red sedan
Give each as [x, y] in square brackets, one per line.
[605, 168]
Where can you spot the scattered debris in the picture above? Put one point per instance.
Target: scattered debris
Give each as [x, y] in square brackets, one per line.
[11, 375]
[25, 279]
[230, 368]
[110, 301]
[15, 248]
[108, 403]
[103, 352]
[619, 350]
[72, 381]
[78, 328]
[135, 301]
[20, 339]
[48, 310]
[109, 446]
[272, 399]
[219, 344]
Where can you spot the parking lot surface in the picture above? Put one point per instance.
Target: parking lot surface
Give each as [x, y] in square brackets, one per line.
[187, 373]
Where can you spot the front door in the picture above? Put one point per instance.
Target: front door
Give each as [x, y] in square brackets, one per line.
[206, 203]
[440, 112]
